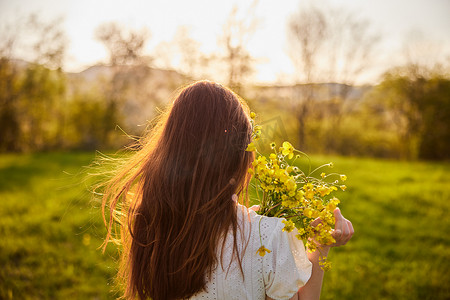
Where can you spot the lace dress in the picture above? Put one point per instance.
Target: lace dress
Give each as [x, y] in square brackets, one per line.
[279, 274]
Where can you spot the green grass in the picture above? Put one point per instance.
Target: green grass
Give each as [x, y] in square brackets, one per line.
[400, 249]
[50, 230]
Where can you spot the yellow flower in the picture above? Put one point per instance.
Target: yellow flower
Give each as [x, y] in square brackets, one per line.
[324, 190]
[318, 204]
[289, 203]
[263, 186]
[283, 178]
[273, 158]
[302, 234]
[290, 184]
[262, 251]
[272, 145]
[308, 212]
[343, 187]
[299, 195]
[257, 132]
[309, 194]
[322, 175]
[309, 191]
[311, 246]
[325, 264]
[252, 115]
[260, 161]
[287, 150]
[331, 206]
[288, 225]
[335, 201]
[251, 147]
[343, 177]
[308, 186]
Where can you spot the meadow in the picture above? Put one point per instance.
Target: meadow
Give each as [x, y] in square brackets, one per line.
[51, 230]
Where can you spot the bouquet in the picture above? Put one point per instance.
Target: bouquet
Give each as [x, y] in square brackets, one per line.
[303, 198]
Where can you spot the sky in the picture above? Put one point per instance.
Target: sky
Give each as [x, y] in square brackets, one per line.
[396, 21]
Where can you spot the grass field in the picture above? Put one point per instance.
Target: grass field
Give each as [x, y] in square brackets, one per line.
[50, 230]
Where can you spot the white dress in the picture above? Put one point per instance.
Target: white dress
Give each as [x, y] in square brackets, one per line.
[279, 274]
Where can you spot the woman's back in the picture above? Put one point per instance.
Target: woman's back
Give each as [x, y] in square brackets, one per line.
[278, 274]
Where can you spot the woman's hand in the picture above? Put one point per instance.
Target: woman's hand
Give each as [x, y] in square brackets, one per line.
[343, 229]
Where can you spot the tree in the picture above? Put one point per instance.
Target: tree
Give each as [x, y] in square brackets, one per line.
[124, 47]
[44, 85]
[237, 31]
[31, 110]
[129, 69]
[327, 46]
[308, 32]
[42, 92]
[9, 78]
[418, 108]
[183, 54]
[50, 42]
[435, 131]
[9, 121]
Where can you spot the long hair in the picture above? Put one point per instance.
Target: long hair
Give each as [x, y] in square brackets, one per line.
[173, 199]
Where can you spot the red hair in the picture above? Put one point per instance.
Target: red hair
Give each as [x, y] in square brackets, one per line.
[174, 196]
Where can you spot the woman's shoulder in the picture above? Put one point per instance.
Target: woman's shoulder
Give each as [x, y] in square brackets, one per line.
[263, 224]
[283, 259]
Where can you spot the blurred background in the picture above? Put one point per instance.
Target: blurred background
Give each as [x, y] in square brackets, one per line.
[365, 84]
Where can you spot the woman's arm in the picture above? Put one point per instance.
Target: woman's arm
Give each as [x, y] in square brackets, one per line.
[311, 290]
[342, 234]
[343, 231]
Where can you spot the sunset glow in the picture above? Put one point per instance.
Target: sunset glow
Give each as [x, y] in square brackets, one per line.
[395, 21]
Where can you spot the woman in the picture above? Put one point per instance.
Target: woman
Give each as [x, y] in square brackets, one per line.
[184, 234]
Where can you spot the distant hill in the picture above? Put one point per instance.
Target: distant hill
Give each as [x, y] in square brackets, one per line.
[162, 77]
[142, 89]
[171, 80]
[103, 71]
[321, 91]
[159, 77]
[92, 73]
[145, 89]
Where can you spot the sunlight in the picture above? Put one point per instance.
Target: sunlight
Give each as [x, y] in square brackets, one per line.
[205, 18]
